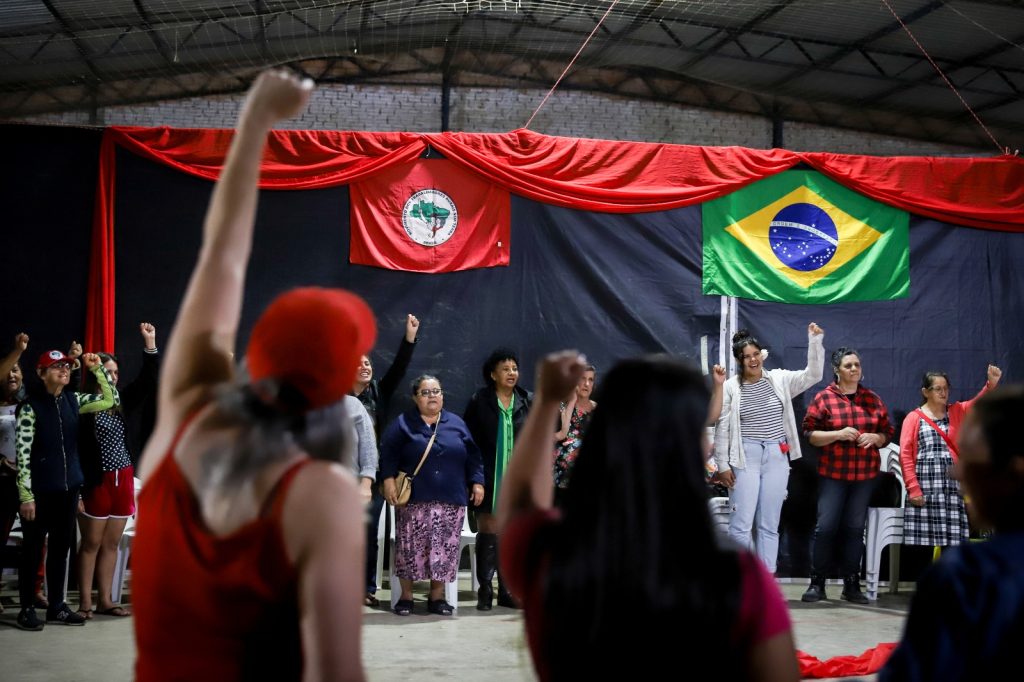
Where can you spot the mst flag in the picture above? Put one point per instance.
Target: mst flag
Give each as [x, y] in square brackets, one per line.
[799, 237]
[429, 215]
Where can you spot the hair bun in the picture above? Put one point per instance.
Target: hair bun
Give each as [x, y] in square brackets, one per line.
[741, 335]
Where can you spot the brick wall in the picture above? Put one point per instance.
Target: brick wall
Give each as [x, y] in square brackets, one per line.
[478, 109]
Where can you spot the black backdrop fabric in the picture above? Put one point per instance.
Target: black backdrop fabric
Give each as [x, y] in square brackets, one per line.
[612, 286]
[47, 188]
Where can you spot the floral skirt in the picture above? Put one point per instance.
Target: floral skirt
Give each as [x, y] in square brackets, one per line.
[427, 541]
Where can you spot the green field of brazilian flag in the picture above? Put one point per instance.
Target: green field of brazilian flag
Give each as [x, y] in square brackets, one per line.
[799, 237]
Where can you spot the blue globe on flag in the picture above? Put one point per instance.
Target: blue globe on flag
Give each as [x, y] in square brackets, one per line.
[803, 237]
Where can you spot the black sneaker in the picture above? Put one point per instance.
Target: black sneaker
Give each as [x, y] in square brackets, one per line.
[65, 616]
[815, 592]
[28, 620]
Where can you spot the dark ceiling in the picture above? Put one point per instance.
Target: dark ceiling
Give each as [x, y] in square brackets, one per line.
[850, 64]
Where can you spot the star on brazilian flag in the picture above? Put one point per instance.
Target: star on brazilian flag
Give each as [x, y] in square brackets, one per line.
[799, 237]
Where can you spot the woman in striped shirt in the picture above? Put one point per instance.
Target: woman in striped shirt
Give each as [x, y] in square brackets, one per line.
[756, 437]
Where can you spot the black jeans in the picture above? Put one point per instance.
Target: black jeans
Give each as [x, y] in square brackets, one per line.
[842, 507]
[55, 515]
[376, 505]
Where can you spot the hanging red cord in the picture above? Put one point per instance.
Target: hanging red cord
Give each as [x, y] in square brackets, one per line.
[607, 12]
[1002, 150]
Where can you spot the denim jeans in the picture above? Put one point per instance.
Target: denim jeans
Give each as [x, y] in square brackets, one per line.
[842, 506]
[757, 497]
[374, 510]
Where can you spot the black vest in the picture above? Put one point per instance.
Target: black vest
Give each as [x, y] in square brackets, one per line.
[54, 462]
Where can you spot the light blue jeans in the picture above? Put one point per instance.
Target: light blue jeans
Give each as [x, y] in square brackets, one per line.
[757, 497]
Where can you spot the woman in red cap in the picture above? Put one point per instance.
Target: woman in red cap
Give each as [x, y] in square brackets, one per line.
[249, 550]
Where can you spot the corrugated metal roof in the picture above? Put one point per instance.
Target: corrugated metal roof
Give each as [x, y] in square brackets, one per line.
[800, 60]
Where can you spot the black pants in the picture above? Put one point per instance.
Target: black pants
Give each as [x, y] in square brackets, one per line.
[55, 516]
[376, 506]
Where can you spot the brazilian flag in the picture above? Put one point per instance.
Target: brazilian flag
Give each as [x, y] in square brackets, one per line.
[799, 237]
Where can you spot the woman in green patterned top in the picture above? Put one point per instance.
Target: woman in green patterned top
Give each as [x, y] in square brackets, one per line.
[50, 477]
[494, 416]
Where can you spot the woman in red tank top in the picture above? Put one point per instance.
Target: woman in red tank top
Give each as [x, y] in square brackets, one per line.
[249, 543]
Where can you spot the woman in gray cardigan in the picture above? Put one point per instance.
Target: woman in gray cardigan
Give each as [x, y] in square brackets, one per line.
[756, 438]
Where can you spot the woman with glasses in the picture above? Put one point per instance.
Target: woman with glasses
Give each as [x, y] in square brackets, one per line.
[450, 475]
[50, 478]
[495, 415]
[936, 515]
[849, 422]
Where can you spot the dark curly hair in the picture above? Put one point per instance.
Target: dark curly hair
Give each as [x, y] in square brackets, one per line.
[497, 356]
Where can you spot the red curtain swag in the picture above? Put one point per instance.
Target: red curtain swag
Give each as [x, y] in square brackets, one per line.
[585, 174]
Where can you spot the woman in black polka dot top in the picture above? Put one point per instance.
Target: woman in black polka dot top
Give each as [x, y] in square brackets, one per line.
[107, 455]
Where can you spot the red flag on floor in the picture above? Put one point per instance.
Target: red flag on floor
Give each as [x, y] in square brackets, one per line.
[867, 663]
[429, 215]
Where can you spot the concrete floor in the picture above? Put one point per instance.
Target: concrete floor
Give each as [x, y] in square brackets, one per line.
[394, 648]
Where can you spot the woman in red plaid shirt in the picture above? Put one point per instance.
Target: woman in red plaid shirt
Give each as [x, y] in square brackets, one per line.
[849, 423]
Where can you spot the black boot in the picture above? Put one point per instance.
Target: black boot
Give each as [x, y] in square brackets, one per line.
[505, 597]
[486, 562]
[816, 590]
[851, 590]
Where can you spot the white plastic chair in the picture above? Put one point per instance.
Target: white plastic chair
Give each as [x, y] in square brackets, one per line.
[885, 527]
[719, 507]
[468, 539]
[124, 550]
[386, 510]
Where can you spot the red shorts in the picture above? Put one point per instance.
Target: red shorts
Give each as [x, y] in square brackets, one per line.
[114, 497]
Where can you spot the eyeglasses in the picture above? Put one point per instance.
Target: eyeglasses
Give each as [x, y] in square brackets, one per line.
[60, 365]
[938, 389]
[427, 392]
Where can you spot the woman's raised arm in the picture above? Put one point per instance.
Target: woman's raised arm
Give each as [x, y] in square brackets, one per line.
[199, 351]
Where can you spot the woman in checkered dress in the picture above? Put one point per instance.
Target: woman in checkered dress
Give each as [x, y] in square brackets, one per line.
[936, 515]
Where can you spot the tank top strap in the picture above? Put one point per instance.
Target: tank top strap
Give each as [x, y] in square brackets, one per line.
[185, 423]
[274, 502]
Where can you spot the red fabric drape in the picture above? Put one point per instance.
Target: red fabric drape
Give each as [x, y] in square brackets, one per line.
[868, 663]
[594, 175]
[99, 313]
[294, 159]
[987, 193]
[614, 177]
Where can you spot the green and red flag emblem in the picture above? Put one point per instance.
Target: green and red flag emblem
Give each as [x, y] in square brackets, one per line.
[429, 215]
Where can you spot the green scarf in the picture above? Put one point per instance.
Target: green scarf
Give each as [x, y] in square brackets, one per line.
[503, 450]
